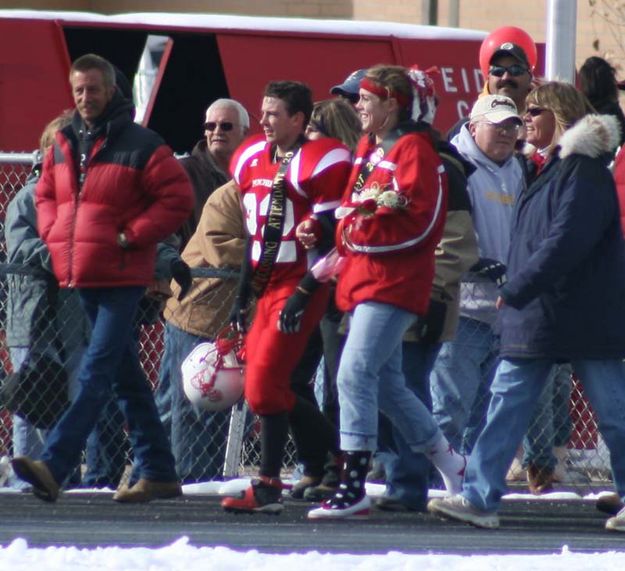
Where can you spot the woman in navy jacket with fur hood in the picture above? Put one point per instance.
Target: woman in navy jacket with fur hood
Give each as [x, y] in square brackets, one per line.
[565, 298]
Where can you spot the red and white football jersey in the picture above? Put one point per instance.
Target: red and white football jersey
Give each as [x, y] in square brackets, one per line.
[315, 181]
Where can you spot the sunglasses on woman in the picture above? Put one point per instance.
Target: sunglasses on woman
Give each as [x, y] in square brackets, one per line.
[515, 70]
[212, 125]
[535, 111]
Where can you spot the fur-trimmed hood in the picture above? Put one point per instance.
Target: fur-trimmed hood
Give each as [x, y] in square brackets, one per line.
[592, 136]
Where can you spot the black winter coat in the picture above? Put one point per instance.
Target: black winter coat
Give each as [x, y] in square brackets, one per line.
[565, 298]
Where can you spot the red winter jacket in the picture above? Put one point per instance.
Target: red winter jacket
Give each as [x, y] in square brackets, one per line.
[390, 254]
[132, 184]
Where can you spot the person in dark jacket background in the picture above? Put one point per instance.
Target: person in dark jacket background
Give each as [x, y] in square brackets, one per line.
[109, 191]
[597, 80]
[564, 301]
[208, 166]
[40, 318]
[226, 125]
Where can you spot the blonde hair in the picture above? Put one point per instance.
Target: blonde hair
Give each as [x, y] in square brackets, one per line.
[567, 104]
[337, 118]
[47, 137]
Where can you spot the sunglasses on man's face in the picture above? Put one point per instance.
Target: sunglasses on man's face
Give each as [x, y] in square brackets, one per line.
[212, 125]
[515, 70]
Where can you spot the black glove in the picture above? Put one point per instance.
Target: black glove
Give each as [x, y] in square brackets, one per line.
[181, 272]
[238, 314]
[491, 269]
[433, 324]
[291, 315]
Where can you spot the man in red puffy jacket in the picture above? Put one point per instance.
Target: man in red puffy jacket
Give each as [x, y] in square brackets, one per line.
[109, 191]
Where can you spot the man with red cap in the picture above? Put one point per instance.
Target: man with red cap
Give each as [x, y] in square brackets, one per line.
[509, 73]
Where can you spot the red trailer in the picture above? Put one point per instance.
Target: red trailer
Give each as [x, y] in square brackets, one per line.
[210, 56]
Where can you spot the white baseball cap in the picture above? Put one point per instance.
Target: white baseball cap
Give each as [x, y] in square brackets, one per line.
[495, 108]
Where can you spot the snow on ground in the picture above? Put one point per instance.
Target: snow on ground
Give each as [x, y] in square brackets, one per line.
[181, 555]
[184, 557]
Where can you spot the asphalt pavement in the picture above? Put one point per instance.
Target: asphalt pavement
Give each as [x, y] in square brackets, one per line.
[92, 520]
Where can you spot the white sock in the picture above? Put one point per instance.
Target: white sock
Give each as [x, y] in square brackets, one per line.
[449, 463]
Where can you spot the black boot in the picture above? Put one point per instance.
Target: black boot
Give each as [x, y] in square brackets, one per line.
[329, 483]
[350, 500]
[314, 437]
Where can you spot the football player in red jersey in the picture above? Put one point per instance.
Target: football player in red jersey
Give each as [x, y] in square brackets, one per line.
[284, 180]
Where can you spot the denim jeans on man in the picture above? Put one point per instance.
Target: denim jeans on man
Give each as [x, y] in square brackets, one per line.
[107, 449]
[111, 363]
[198, 437]
[551, 425]
[407, 472]
[106, 445]
[515, 389]
[462, 372]
[370, 378]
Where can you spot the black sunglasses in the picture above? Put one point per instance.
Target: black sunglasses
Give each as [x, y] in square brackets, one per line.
[515, 70]
[535, 111]
[212, 125]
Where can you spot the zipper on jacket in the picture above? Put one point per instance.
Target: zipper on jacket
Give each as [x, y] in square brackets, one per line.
[82, 175]
[72, 238]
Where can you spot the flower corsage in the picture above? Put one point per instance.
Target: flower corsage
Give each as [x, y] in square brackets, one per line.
[370, 199]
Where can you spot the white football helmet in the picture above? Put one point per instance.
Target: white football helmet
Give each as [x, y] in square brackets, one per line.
[212, 374]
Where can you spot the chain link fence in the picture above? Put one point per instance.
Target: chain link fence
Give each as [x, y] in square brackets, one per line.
[211, 446]
[207, 445]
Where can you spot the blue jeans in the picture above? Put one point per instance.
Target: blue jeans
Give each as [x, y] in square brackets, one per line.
[462, 373]
[515, 389]
[106, 445]
[550, 426]
[198, 438]
[111, 364]
[107, 449]
[407, 472]
[370, 378]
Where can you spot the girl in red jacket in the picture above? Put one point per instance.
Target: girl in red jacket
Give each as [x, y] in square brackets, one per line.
[391, 219]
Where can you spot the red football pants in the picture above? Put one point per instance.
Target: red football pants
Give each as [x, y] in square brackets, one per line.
[271, 356]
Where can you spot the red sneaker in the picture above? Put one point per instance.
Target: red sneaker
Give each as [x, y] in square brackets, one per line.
[263, 496]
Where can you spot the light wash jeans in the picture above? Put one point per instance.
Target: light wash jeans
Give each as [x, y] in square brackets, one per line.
[370, 378]
[550, 426]
[407, 472]
[460, 379]
[515, 389]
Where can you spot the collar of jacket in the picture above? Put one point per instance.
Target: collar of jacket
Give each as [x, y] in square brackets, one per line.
[200, 151]
[592, 136]
[115, 117]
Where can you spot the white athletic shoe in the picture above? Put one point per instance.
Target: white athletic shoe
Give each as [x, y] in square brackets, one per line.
[359, 510]
[616, 523]
[459, 508]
